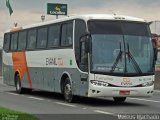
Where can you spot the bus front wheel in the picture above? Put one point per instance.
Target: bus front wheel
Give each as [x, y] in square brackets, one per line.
[67, 91]
[119, 99]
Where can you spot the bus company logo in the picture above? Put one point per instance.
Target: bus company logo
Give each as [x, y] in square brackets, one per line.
[54, 61]
[126, 80]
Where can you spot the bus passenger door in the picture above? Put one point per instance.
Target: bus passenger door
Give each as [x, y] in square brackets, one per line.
[83, 65]
[83, 55]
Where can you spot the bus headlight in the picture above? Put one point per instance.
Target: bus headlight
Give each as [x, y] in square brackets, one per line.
[99, 83]
[147, 84]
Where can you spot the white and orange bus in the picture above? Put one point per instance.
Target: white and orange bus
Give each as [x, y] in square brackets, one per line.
[85, 55]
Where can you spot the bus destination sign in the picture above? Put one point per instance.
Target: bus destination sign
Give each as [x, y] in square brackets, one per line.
[56, 9]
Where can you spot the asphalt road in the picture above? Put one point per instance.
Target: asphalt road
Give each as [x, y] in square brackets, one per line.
[51, 106]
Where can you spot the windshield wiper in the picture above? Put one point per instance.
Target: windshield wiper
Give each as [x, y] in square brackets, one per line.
[119, 56]
[136, 66]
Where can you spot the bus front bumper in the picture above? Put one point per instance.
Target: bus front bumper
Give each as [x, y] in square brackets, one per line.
[121, 92]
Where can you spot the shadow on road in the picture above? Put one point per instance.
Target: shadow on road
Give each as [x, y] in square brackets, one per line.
[105, 102]
[97, 102]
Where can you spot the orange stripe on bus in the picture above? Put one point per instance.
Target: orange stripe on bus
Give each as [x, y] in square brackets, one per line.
[20, 65]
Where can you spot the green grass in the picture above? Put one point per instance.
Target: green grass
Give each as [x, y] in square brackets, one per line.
[8, 114]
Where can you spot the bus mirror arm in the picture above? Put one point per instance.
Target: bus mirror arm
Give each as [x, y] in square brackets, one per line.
[86, 34]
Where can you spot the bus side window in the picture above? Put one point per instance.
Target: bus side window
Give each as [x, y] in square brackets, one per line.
[67, 34]
[31, 42]
[14, 41]
[22, 40]
[6, 43]
[42, 37]
[54, 36]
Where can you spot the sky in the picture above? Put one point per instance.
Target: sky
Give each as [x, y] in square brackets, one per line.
[27, 12]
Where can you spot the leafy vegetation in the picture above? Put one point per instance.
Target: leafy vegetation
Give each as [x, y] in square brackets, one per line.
[8, 114]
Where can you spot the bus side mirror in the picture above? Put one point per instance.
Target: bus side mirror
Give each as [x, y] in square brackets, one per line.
[87, 45]
[155, 53]
[85, 39]
[154, 48]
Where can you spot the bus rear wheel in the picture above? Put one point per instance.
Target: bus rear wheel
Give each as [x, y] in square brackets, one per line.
[67, 91]
[119, 99]
[19, 88]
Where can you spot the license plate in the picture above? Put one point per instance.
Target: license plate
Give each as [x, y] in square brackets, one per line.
[124, 92]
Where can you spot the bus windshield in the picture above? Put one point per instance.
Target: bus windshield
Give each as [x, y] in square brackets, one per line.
[121, 47]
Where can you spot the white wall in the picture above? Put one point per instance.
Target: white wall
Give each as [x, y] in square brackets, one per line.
[155, 27]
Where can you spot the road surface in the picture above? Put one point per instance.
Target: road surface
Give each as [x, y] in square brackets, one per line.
[51, 106]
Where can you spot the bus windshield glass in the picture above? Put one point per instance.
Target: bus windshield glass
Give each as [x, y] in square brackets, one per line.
[121, 47]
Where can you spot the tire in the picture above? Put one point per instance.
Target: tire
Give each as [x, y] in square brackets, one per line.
[67, 91]
[19, 88]
[119, 99]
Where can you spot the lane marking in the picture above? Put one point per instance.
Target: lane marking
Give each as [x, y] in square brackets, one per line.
[60, 103]
[103, 112]
[145, 100]
[12, 93]
[36, 98]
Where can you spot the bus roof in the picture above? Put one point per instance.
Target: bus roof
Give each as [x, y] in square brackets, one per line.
[86, 17]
